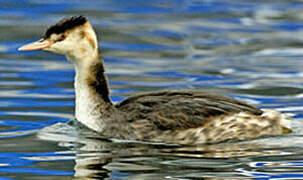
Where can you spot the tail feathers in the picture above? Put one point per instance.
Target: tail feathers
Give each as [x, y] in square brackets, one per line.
[284, 119]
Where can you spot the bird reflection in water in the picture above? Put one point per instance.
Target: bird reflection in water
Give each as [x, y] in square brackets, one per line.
[97, 158]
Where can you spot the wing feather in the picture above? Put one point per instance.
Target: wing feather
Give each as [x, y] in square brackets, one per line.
[170, 110]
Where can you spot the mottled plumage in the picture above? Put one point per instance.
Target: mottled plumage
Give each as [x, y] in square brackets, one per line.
[184, 116]
[181, 109]
[172, 116]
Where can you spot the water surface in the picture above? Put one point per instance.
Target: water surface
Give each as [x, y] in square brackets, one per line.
[250, 50]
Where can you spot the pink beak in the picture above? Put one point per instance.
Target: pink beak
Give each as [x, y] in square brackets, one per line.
[38, 45]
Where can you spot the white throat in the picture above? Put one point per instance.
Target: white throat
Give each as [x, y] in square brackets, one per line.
[88, 107]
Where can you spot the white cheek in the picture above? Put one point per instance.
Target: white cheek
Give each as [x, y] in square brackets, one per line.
[62, 47]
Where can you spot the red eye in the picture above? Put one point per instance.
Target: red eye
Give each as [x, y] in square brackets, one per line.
[61, 37]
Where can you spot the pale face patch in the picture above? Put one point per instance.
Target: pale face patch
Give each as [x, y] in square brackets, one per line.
[78, 43]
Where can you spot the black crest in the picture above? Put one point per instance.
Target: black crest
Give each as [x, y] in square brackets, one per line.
[65, 24]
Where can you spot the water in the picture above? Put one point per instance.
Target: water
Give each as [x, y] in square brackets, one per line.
[250, 50]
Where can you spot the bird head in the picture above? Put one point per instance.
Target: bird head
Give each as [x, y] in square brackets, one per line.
[73, 37]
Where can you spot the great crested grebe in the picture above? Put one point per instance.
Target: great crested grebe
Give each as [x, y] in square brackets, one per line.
[171, 116]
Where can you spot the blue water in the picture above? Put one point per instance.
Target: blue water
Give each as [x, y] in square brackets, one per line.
[250, 50]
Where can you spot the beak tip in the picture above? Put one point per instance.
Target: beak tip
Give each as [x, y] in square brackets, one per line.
[20, 49]
[38, 45]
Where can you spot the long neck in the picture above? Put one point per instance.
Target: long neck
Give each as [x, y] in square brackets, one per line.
[93, 104]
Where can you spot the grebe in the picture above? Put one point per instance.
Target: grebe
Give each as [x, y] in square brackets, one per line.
[171, 116]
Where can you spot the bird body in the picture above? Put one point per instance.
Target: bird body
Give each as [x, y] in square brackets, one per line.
[172, 116]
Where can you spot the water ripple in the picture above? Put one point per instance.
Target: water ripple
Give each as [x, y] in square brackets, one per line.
[248, 50]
